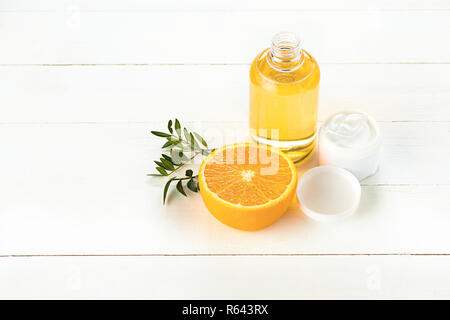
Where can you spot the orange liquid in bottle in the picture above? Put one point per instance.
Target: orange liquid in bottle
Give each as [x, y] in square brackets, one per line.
[284, 91]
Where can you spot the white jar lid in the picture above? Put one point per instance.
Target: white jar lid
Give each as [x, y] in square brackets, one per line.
[328, 193]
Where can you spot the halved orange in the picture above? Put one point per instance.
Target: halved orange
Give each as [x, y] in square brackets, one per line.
[247, 186]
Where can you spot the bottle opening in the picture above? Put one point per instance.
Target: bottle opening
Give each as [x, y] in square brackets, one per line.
[285, 46]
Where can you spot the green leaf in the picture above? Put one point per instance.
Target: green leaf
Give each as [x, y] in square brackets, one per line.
[178, 127]
[166, 188]
[186, 134]
[167, 164]
[159, 164]
[180, 188]
[167, 144]
[165, 156]
[160, 134]
[199, 138]
[194, 143]
[162, 171]
[181, 146]
[176, 143]
[192, 185]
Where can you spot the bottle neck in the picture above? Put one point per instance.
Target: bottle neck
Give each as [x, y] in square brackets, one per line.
[285, 53]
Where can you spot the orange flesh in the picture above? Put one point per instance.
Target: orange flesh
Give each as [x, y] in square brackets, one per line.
[247, 175]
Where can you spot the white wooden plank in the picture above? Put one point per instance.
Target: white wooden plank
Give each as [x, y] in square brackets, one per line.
[82, 189]
[294, 277]
[136, 93]
[73, 37]
[205, 5]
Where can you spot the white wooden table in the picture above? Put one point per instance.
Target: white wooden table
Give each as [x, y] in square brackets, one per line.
[83, 82]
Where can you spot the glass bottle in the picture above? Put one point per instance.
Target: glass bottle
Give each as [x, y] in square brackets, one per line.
[284, 91]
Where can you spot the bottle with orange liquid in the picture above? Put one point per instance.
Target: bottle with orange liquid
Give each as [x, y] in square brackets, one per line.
[284, 92]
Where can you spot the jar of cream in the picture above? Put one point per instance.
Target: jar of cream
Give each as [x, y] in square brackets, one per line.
[350, 140]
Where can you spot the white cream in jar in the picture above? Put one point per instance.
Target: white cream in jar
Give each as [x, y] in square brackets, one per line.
[350, 140]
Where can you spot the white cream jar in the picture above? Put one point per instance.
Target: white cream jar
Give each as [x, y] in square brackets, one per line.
[350, 140]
